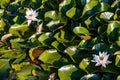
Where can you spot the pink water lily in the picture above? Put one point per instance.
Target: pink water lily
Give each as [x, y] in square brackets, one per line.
[101, 59]
[31, 16]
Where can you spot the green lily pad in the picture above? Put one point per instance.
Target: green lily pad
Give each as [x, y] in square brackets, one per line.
[4, 3]
[75, 54]
[18, 30]
[2, 25]
[91, 77]
[69, 72]
[79, 30]
[117, 61]
[4, 68]
[83, 64]
[46, 38]
[58, 45]
[73, 13]
[66, 5]
[49, 56]
[113, 31]
[90, 8]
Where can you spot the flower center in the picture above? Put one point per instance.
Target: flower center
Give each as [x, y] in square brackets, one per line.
[30, 15]
[101, 57]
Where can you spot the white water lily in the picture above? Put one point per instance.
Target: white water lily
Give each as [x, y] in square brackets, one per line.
[31, 16]
[101, 59]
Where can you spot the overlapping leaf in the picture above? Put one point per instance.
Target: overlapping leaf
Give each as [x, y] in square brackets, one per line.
[61, 44]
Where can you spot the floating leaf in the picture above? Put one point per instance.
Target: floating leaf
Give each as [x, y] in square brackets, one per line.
[54, 15]
[19, 44]
[83, 64]
[17, 56]
[66, 5]
[81, 31]
[117, 44]
[36, 3]
[104, 6]
[69, 72]
[18, 30]
[50, 56]
[117, 61]
[84, 44]
[58, 45]
[100, 47]
[118, 77]
[65, 36]
[2, 25]
[31, 78]
[1, 12]
[58, 20]
[73, 13]
[55, 25]
[19, 19]
[21, 57]
[61, 43]
[4, 68]
[4, 3]
[75, 54]
[91, 77]
[71, 51]
[111, 68]
[24, 70]
[116, 4]
[113, 31]
[92, 23]
[90, 8]
[13, 6]
[102, 29]
[42, 75]
[23, 74]
[35, 53]
[25, 3]
[107, 76]
[46, 38]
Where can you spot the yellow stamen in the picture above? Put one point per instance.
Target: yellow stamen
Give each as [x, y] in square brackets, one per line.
[30, 15]
[101, 57]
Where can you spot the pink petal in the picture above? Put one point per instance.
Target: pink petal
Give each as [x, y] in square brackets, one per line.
[29, 21]
[93, 60]
[103, 64]
[97, 64]
[34, 19]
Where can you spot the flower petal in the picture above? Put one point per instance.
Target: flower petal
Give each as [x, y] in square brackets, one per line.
[29, 21]
[103, 64]
[97, 64]
[93, 60]
[34, 19]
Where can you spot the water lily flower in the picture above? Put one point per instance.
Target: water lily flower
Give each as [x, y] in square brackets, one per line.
[101, 59]
[31, 16]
